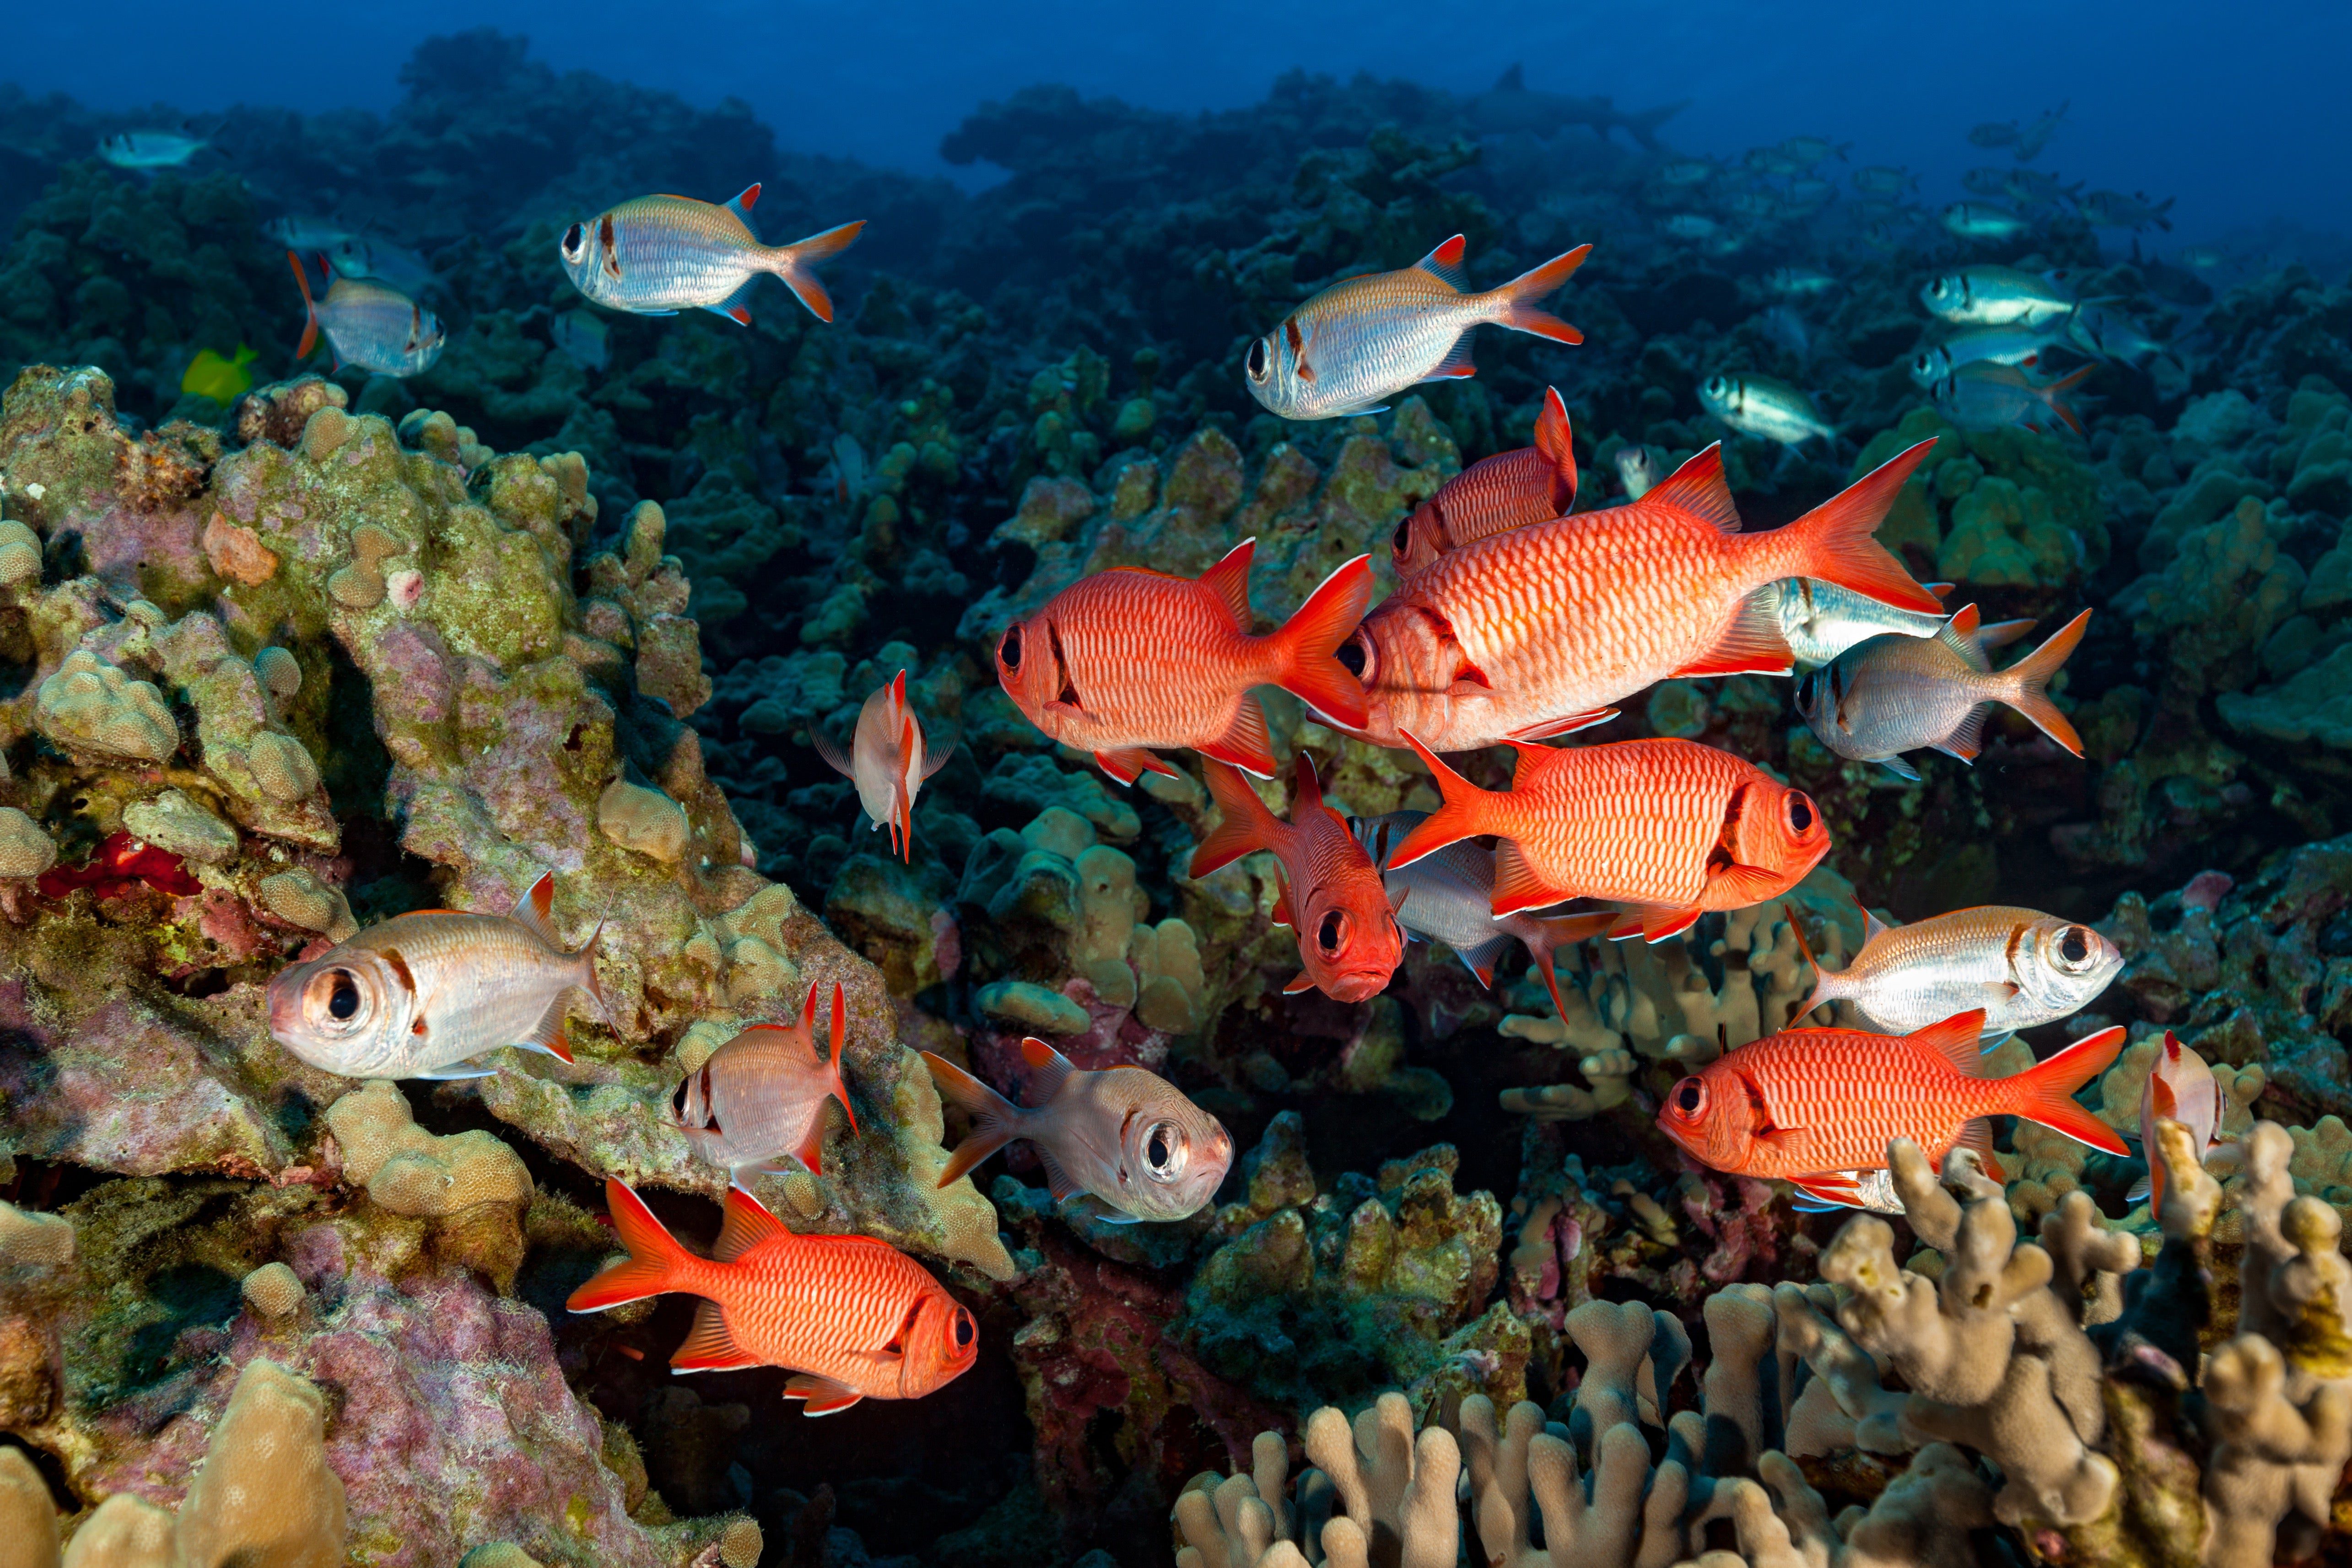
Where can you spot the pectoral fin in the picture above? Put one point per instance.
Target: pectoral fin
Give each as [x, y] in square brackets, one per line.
[824, 1397]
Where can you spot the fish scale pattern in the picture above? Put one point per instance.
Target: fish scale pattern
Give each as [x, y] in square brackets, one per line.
[680, 254]
[1633, 821]
[810, 1301]
[1164, 664]
[1843, 1107]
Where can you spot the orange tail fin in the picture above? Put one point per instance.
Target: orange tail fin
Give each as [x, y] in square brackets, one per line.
[995, 1121]
[2053, 395]
[310, 308]
[1557, 442]
[791, 263]
[1306, 646]
[1834, 544]
[1518, 298]
[1247, 824]
[1549, 936]
[1463, 816]
[656, 1259]
[2031, 675]
[2045, 1091]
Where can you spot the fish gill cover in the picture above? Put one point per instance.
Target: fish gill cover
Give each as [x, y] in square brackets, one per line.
[572, 623]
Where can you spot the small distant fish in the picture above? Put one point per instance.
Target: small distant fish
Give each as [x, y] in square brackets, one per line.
[2108, 334]
[1886, 235]
[367, 324]
[1986, 395]
[2036, 136]
[1689, 225]
[1821, 621]
[1772, 160]
[2021, 967]
[1991, 296]
[581, 337]
[1999, 345]
[849, 465]
[1811, 192]
[1334, 899]
[1684, 172]
[1637, 471]
[2203, 257]
[1666, 830]
[1990, 182]
[1893, 695]
[1994, 134]
[1799, 282]
[1757, 206]
[359, 255]
[760, 1097]
[886, 762]
[1809, 1106]
[1360, 342]
[1127, 661]
[1787, 329]
[2180, 1088]
[426, 995]
[151, 149]
[222, 380]
[1974, 219]
[2033, 186]
[1763, 407]
[1531, 485]
[656, 256]
[1125, 1136]
[1448, 897]
[1879, 180]
[1811, 149]
[298, 232]
[851, 1317]
[2114, 210]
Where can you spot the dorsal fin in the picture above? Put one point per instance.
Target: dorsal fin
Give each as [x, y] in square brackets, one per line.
[747, 1225]
[744, 200]
[1872, 925]
[1697, 487]
[1445, 264]
[1051, 1070]
[1955, 1039]
[1959, 634]
[1533, 760]
[1557, 442]
[1307, 795]
[899, 692]
[1228, 582]
[532, 912]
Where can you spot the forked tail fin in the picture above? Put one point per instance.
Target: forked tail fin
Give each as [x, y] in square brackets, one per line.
[1833, 540]
[1516, 298]
[1247, 825]
[2045, 1091]
[656, 1259]
[793, 262]
[2029, 681]
[1305, 648]
[1463, 816]
[994, 1119]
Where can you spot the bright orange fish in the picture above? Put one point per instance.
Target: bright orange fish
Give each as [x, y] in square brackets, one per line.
[1130, 660]
[1495, 494]
[1670, 829]
[853, 1318]
[1336, 900]
[1530, 634]
[1812, 1106]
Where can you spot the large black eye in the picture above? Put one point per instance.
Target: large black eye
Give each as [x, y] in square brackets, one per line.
[1255, 364]
[1008, 647]
[1326, 934]
[1689, 1095]
[1355, 657]
[573, 238]
[2074, 947]
[1800, 812]
[344, 999]
[1404, 540]
[1156, 1148]
[964, 1331]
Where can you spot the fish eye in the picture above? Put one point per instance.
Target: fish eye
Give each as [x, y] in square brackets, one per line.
[965, 1330]
[573, 238]
[2074, 946]
[1690, 1097]
[1008, 647]
[1800, 812]
[1356, 655]
[1331, 931]
[343, 995]
[1404, 540]
[1163, 1151]
[678, 1099]
[1256, 363]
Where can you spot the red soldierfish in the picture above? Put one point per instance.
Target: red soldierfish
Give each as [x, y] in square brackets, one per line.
[656, 256]
[1495, 494]
[1129, 660]
[1362, 340]
[1334, 900]
[761, 1096]
[853, 1318]
[886, 762]
[2182, 1088]
[1812, 1106]
[1529, 634]
[1669, 828]
[1125, 1136]
[425, 995]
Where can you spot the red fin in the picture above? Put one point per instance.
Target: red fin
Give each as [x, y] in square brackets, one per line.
[2031, 675]
[746, 199]
[1307, 791]
[1461, 817]
[1748, 883]
[1835, 544]
[1557, 442]
[1248, 744]
[2053, 395]
[1830, 1187]
[1281, 913]
[824, 1397]
[1553, 729]
[1699, 487]
[1658, 925]
[791, 263]
[840, 1032]
[1247, 825]
[747, 1225]
[1445, 264]
[1302, 981]
[310, 310]
[1977, 1137]
[2045, 1090]
[1752, 646]
[1516, 886]
[1957, 1040]
[993, 1115]
[1227, 583]
[1520, 294]
[710, 1348]
[656, 1258]
[1560, 931]
[1129, 763]
[739, 314]
[1306, 646]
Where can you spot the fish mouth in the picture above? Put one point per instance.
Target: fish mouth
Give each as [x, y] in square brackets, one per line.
[1360, 986]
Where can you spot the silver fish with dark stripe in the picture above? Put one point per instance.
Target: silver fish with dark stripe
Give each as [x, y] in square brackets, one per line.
[368, 324]
[2023, 966]
[656, 256]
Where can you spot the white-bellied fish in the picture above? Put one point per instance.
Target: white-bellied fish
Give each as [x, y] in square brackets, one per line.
[2001, 345]
[368, 324]
[1799, 282]
[1448, 897]
[2181, 1087]
[1821, 621]
[148, 150]
[426, 995]
[581, 337]
[299, 233]
[1637, 470]
[655, 255]
[760, 1097]
[1761, 406]
[2036, 186]
[2108, 334]
[364, 255]
[2021, 967]
[1992, 296]
[1684, 172]
[1893, 694]
[1787, 329]
[1360, 341]
[2036, 136]
[886, 761]
[1988, 395]
[1127, 1135]
[1975, 220]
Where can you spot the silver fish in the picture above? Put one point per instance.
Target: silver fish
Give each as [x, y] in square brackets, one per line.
[2035, 186]
[369, 325]
[1761, 406]
[1872, 1190]
[1797, 282]
[1988, 395]
[583, 338]
[148, 149]
[1973, 220]
[361, 255]
[2036, 136]
[759, 1099]
[1985, 181]
[2107, 334]
[886, 762]
[1689, 225]
[426, 995]
[2114, 210]
[1448, 897]
[1684, 172]
[1821, 621]
[1787, 329]
[2001, 345]
[1811, 149]
[2182, 1088]
[1879, 180]
[1994, 134]
[296, 232]
[655, 255]
[1637, 471]
[2023, 966]
[1991, 296]
[1893, 695]
[1125, 1136]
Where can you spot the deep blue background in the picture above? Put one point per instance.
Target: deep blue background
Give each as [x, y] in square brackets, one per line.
[2241, 110]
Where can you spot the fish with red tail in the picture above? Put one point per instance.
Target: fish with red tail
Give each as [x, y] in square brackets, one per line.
[2182, 1088]
[656, 256]
[1667, 830]
[368, 324]
[1364, 340]
[1531, 633]
[760, 1097]
[1495, 494]
[1334, 900]
[887, 762]
[850, 1317]
[1125, 1134]
[1815, 1107]
[1129, 661]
